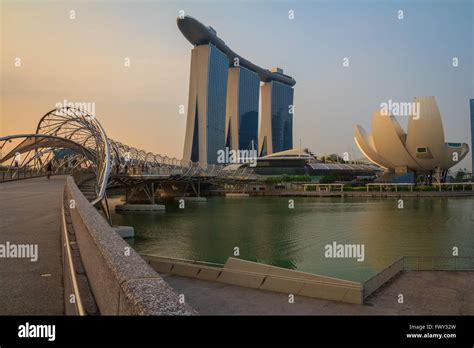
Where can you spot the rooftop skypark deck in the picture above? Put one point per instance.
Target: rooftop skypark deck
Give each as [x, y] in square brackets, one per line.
[198, 34]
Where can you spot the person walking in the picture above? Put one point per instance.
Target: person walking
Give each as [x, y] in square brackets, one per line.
[49, 169]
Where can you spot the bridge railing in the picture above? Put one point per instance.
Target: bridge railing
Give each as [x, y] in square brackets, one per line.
[453, 186]
[27, 173]
[80, 176]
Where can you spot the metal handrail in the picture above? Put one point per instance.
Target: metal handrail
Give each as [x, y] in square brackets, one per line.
[72, 270]
[8, 175]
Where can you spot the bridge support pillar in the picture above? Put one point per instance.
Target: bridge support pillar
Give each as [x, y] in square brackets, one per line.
[144, 194]
[152, 193]
[197, 192]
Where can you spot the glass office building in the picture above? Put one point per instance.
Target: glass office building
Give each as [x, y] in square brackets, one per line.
[205, 129]
[276, 130]
[282, 119]
[216, 103]
[249, 84]
[243, 90]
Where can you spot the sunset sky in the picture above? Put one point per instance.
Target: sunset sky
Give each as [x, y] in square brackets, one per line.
[82, 60]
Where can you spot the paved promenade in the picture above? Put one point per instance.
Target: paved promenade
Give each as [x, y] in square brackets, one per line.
[30, 213]
[424, 292]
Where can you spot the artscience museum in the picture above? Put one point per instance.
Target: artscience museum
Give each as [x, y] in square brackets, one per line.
[422, 149]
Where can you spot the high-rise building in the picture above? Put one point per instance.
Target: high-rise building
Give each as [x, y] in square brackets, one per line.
[205, 128]
[276, 131]
[242, 109]
[224, 99]
[472, 137]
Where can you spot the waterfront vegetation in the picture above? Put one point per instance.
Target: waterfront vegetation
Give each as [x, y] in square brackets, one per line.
[425, 188]
[287, 178]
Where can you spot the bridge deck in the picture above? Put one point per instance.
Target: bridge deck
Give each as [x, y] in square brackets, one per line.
[30, 213]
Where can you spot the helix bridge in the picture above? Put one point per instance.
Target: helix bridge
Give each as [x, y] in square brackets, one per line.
[74, 142]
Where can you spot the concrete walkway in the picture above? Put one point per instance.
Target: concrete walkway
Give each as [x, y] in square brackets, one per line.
[424, 293]
[30, 213]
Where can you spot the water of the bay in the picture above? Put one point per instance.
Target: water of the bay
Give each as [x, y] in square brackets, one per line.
[266, 230]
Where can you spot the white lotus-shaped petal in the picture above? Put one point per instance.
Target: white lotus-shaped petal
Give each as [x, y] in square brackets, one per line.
[422, 148]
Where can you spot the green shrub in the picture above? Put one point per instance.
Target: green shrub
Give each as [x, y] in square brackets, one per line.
[425, 188]
[354, 188]
[287, 178]
[328, 179]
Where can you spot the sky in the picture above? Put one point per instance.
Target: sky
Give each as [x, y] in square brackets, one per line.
[82, 60]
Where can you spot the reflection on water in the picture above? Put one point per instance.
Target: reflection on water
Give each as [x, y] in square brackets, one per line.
[266, 230]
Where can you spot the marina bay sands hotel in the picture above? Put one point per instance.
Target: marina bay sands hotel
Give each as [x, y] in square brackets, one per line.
[225, 91]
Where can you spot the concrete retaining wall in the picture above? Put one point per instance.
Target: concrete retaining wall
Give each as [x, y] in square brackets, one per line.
[264, 277]
[382, 277]
[249, 266]
[121, 281]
